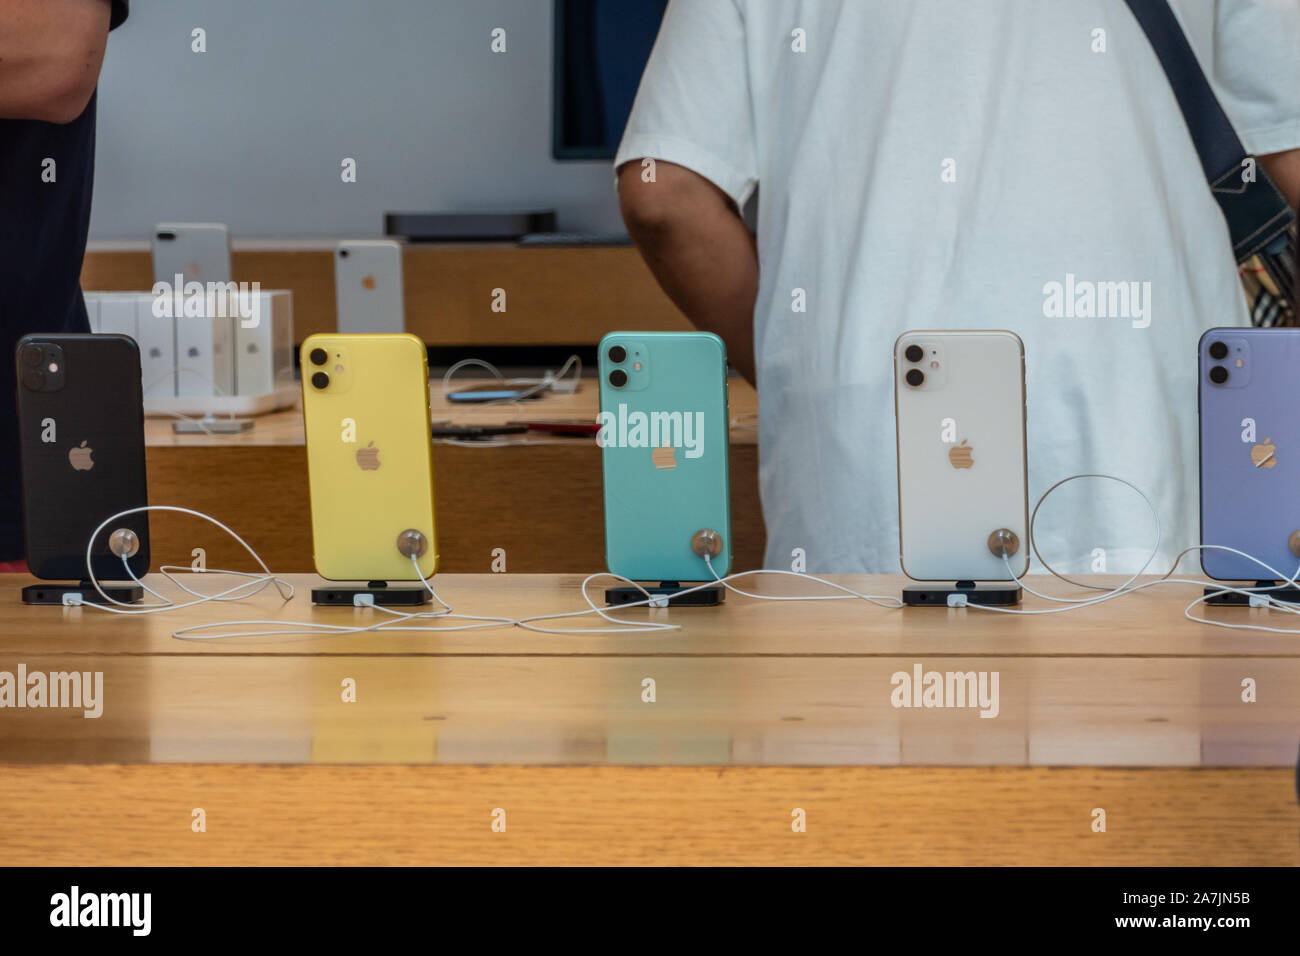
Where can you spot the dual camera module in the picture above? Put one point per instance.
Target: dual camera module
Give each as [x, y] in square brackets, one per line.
[319, 357]
[1218, 373]
[617, 355]
[914, 376]
[41, 367]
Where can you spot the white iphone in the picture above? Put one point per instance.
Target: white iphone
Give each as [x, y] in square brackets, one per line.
[368, 286]
[197, 252]
[959, 402]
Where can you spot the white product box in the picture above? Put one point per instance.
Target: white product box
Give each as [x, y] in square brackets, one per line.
[205, 356]
[156, 336]
[117, 313]
[264, 351]
[199, 366]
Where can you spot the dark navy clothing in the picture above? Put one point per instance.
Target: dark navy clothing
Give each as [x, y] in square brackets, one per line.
[43, 228]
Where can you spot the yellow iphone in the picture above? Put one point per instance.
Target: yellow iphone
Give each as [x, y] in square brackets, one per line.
[365, 401]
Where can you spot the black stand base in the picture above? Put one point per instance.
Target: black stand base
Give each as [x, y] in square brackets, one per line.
[53, 593]
[935, 595]
[1272, 589]
[704, 597]
[378, 591]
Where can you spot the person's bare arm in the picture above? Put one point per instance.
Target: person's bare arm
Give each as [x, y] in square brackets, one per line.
[50, 55]
[1284, 169]
[691, 235]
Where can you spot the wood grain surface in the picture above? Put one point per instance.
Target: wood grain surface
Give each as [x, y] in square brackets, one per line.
[223, 707]
[554, 296]
[749, 682]
[365, 815]
[760, 708]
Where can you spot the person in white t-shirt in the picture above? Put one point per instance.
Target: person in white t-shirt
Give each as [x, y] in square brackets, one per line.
[953, 164]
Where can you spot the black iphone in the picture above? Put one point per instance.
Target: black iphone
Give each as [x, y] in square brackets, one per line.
[81, 430]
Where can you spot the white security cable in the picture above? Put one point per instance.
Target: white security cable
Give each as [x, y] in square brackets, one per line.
[1131, 586]
[535, 385]
[123, 607]
[503, 441]
[258, 582]
[653, 600]
[1033, 518]
[878, 600]
[626, 627]
[1218, 589]
[423, 621]
[319, 629]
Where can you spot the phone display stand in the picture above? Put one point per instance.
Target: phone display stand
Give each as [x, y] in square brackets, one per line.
[704, 597]
[936, 595]
[1271, 590]
[1002, 543]
[56, 593]
[410, 544]
[378, 592]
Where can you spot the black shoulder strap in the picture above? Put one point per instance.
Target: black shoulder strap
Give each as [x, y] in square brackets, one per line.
[1258, 215]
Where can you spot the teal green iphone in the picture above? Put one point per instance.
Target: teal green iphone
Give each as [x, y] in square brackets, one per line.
[664, 449]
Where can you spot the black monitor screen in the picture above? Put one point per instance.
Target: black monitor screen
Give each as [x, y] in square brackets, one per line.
[601, 48]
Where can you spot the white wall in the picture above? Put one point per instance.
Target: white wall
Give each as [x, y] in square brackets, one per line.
[252, 132]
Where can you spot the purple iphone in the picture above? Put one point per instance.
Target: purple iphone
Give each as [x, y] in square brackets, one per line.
[1250, 451]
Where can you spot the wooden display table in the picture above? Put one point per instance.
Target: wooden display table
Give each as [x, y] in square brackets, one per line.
[760, 708]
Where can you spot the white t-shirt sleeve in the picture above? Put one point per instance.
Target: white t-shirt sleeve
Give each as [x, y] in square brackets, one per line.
[1255, 70]
[693, 107]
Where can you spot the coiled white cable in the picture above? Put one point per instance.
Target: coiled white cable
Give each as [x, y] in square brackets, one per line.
[401, 620]
[876, 599]
[633, 626]
[534, 385]
[1132, 586]
[256, 583]
[195, 632]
